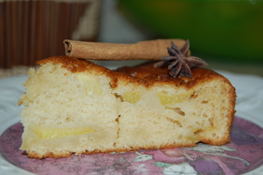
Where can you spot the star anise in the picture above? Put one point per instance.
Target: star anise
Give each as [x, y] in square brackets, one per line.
[179, 62]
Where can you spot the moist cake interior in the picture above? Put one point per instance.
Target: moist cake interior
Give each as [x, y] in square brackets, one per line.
[74, 106]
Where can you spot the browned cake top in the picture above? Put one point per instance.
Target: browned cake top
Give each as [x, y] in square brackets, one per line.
[75, 65]
[152, 75]
[144, 74]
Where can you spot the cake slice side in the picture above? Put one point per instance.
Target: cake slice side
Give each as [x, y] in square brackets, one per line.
[68, 111]
[165, 113]
[75, 106]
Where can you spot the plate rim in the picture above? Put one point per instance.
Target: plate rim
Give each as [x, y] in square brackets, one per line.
[5, 122]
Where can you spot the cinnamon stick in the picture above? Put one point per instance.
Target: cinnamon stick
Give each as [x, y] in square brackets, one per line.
[144, 50]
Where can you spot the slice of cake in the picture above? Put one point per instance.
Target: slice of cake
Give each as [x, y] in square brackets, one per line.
[75, 106]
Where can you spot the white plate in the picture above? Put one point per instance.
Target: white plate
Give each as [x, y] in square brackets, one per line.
[249, 106]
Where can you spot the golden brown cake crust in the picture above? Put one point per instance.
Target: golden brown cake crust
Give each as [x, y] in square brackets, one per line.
[75, 65]
[147, 72]
[144, 74]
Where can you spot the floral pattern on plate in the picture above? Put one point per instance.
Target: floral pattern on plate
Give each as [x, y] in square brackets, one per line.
[243, 154]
